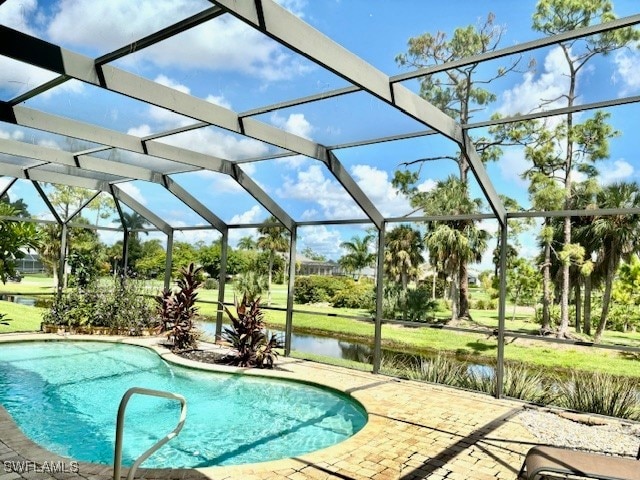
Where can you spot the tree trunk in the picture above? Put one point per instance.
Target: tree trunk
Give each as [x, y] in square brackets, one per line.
[606, 298]
[269, 284]
[587, 305]
[433, 287]
[568, 194]
[546, 289]
[404, 279]
[464, 291]
[515, 304]
[578, 302]
[454, 298]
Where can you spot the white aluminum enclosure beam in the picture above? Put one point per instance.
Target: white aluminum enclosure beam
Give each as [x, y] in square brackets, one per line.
[128, 172]
[191, 202]
[18, 171]
[85, 162]
[495, 202]
[27, 117]
[283, 26]
[288, 29]
[80, 67]
[136, 206]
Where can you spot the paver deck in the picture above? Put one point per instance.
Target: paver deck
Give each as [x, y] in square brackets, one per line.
[415, 431]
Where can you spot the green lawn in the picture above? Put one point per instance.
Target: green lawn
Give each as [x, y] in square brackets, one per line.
[396, 337]
[20, 318]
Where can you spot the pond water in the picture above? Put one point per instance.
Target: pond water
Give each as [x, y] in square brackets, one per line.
[318, 345]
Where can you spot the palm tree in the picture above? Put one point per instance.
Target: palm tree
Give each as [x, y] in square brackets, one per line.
[449, 248]
[358, 255]
[462, 241]
[134, 221]
[247, 243]
[403, 254]
[272, 240]
[618, 235]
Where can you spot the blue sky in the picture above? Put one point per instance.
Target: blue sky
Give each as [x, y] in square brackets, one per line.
[227, 63]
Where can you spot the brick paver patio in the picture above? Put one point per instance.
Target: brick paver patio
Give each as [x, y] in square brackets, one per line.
[415, 430]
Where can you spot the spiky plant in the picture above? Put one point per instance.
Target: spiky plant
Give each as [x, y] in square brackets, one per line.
[177, 309]
[248, 338]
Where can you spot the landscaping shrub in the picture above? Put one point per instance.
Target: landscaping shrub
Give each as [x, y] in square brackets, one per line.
[419, 304]
[485, 304]
[589, 392]
[354, 295]
[318, 288]
[117, 306]
[251, 285]
[412, 305]
[211, 284]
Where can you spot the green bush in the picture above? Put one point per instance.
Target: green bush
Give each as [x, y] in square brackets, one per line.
[355, 295]
[318, 288]
[485, 304]
[211, 284]
[419, 304]
[121, 307]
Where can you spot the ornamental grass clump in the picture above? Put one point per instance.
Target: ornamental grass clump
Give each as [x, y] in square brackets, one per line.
[602, 394]
[248, 338]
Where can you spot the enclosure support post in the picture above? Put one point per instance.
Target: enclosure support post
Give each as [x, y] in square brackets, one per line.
[222, 276]
[125, 253]
[63, 258]
[501, 310]
[292, 278]
[377, 340]
[169, 260]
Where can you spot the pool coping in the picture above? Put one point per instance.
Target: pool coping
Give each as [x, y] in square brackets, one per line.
[286, 369]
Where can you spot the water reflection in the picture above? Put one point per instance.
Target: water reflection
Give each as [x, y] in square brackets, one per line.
[317, 345]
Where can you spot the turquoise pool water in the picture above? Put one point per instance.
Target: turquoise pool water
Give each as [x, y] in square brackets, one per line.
[64, 395]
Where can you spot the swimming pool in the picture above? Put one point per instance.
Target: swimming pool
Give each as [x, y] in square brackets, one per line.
[64, 395]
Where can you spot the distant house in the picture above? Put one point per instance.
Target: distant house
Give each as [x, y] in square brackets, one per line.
[316, 267]
[328, 268]
[31, 263]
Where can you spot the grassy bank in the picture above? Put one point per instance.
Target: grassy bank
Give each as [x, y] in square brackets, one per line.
[412, 339]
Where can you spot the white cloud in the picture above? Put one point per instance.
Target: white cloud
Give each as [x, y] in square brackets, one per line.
[295, 123]
[376, 185]
[12, 135]
[615, 171]
[311, 185]
[15, 15]
[427, 185]
[626, 62]
[310, 214]
[320, 239]
[133, 191]
[207, 140]
[224, 43]
[534, 89]
[512, 165]
[294, 162]
[250, 216]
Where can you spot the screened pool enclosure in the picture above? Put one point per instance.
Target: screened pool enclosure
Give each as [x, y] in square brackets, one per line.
[179, 154]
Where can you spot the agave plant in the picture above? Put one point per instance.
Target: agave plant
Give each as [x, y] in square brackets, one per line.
[247, 336]
[177, 309]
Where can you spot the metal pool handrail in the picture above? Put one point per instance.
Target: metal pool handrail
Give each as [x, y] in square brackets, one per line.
[117, 463]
